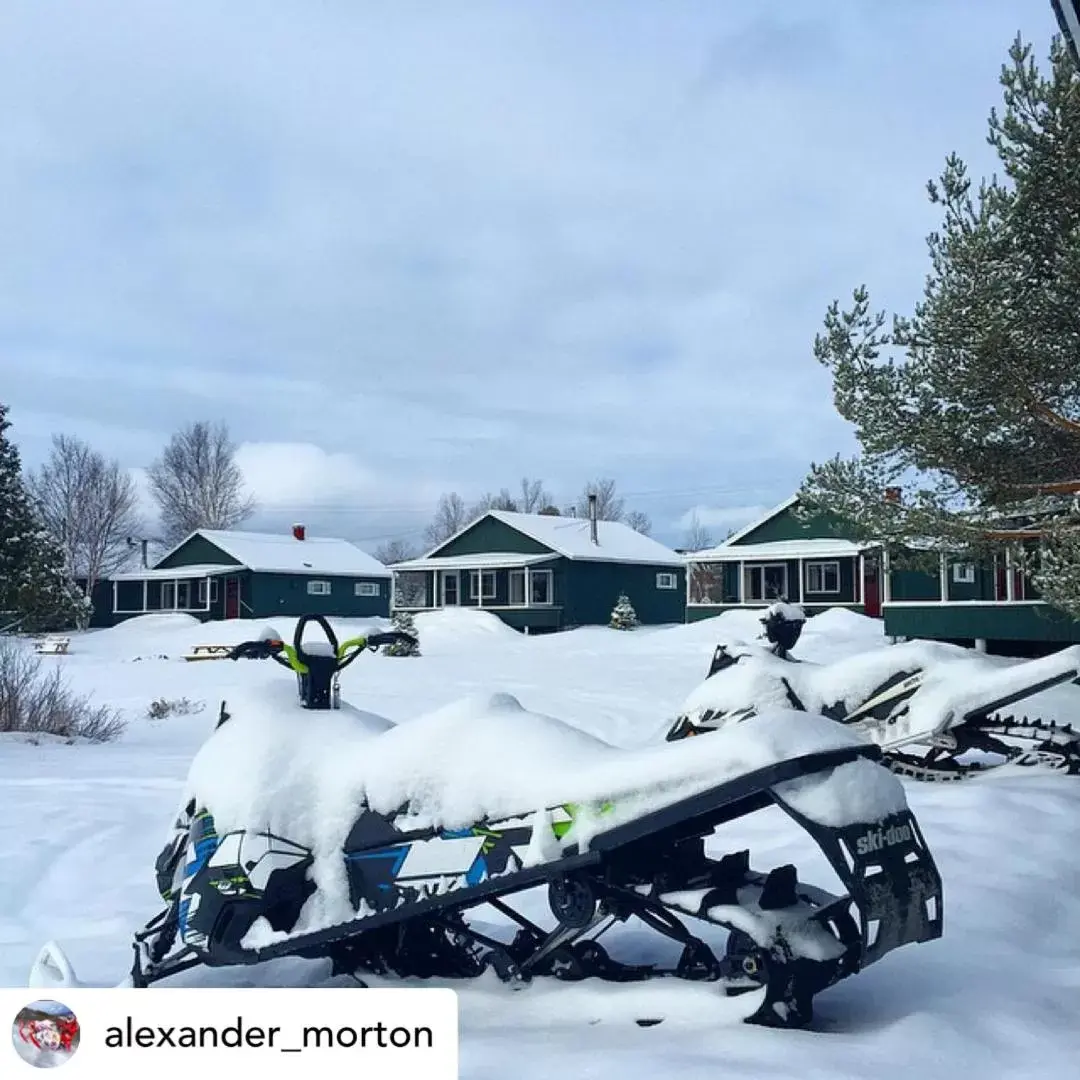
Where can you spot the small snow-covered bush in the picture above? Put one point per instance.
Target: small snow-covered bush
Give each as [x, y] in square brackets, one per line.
[623, 616]
[406, 624]
[42, 704]
[163, 707]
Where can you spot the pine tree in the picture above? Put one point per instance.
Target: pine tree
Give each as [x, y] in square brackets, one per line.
[34, 586]
[623, 616]
[402, 621]
[969, 408]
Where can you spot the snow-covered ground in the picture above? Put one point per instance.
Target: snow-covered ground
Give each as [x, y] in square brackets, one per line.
[999, 994]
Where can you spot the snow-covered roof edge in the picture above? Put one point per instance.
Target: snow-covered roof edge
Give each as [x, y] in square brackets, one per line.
[664, 556]
[219, 539]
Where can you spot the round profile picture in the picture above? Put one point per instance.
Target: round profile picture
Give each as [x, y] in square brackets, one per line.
[45, 1034]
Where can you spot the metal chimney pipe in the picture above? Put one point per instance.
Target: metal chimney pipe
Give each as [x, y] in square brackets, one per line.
[592, 520]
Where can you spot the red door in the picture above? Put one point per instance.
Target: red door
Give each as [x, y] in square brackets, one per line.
[871, 592]
[232, 598]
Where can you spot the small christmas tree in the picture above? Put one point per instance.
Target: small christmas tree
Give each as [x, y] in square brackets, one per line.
[623, 617]
[403, 622]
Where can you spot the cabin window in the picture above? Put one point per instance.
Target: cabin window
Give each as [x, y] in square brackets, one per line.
[541, 587]
[200, 592]
[318, 588]
[482, 584]
[366, 588]
[963, 573]
[765, 582]
[822, 577]
[667, 581]
[517, 588]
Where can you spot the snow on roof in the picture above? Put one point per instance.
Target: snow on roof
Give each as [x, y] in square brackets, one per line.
[282, 553]
[816, 548]
[492, 560]
[571, 538]
[181, 573]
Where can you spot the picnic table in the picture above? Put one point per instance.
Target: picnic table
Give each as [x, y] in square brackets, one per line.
[53, 646]
[209, 652]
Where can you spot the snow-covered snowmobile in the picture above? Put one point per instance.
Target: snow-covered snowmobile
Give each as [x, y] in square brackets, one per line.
[384, 854]
[926, 704]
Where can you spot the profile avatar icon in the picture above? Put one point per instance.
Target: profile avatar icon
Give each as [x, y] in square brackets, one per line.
[45, 1034]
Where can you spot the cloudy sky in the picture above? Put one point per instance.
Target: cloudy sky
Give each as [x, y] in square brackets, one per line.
[409, 247]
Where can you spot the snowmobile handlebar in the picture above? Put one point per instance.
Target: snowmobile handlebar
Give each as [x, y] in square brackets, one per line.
[298, 659]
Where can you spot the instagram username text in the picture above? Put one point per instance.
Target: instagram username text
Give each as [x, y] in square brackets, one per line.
[242, 1036]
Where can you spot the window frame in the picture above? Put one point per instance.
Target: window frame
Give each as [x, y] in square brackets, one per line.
[822, 567]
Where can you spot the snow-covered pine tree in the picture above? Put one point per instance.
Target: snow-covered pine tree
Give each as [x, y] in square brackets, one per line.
[34, 586]
[403, 622]
[623, 616]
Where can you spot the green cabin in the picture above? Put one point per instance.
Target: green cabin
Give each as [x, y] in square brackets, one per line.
[782, 556]
[215, 574]
[989, 604]
[540, 573]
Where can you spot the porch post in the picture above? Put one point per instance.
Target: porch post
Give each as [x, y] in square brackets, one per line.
[115, 596]
[802, 577]
[528, 586]
[742, 582]
[943, 576]
[144, 585]
[886, 577]
[860, 584]
[1010, 575]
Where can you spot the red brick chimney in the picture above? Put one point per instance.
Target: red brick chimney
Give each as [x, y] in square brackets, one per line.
[892, 495]
[299, 532]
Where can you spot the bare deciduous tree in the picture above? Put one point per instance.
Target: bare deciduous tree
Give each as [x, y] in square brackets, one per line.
[491, 501]
[197, 484]
[639, 521]
[533, 496]
[394, 551]
[698, 537]
[609, 504]
[89, 506]
[451, 516]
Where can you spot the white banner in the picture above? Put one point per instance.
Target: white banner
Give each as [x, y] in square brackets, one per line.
[186, 1033]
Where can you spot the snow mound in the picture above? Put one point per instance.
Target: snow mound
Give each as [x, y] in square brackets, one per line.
[308, 775]
[843, 622]
[452, 624]
[162, 622]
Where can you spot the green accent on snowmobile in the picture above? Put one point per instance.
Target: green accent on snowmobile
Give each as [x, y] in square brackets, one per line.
[561, 828]
[357, 643]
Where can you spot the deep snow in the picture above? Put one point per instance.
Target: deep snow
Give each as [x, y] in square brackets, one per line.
[1000, 993]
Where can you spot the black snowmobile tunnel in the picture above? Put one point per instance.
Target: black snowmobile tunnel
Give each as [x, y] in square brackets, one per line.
[654, 868]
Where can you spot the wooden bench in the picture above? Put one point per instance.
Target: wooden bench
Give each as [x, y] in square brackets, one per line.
[53, 646]
[209, 652]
